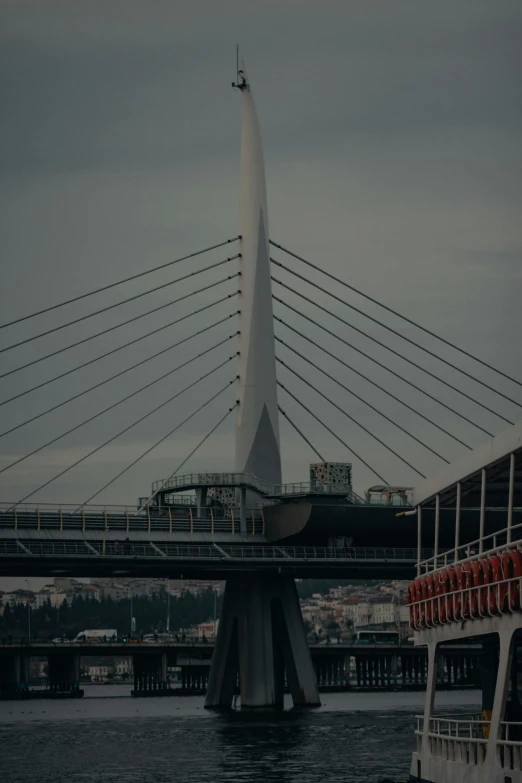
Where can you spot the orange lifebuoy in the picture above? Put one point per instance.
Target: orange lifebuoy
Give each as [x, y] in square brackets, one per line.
[514, 587]
[463, 603]
[454, 600]
[414, 609]
[426, 595]
[496, 576]
[441, 589]
[507, 572]
[477, 578]
[430, 611]
[468, 584]
[485, 566]
[421, 608]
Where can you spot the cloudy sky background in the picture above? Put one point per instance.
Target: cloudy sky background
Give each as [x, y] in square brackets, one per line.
[392, 142]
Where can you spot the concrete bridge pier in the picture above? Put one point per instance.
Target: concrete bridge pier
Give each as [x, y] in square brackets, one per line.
[14, 673]
[194, 679]
[22, 671]
[64, 673]
[150, 673]
[261, 636]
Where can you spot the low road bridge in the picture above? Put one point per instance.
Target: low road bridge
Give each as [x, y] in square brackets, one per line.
[337, 667]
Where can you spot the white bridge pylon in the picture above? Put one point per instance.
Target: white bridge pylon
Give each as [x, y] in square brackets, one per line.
[257, 427]
[261, 636]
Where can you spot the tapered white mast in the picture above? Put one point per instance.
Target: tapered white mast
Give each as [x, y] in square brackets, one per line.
[257, 429]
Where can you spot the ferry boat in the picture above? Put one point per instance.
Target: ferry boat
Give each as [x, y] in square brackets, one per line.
[472, 593]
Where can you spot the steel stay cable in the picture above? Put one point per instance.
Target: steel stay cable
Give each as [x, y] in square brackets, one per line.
[196, 448]
[404, 358]
[172, 431]
[374, 383]
[399, 315]
[121, 432]
[126, 345]
[348, 416]
[117, 304]
[119, 282]
[407, 339]
[357, 396]
[117, 375]
[105, 410]
[351, 450]
[392, 372]
[296, 428]
[128, 321]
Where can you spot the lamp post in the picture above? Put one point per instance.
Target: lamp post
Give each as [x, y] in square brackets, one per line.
[398, 613]
[215, 612]
[131, 613]
[28, 613]
[168, 607]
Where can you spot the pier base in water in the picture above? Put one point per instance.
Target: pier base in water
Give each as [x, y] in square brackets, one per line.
[261, 637]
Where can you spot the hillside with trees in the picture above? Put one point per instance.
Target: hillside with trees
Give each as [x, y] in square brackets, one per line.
[67, 620]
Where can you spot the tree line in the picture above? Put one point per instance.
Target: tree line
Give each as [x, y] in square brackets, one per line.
[69, 619]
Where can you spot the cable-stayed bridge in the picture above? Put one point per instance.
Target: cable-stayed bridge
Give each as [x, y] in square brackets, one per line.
[269, 333]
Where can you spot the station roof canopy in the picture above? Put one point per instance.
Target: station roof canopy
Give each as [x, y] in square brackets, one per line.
[493, 456]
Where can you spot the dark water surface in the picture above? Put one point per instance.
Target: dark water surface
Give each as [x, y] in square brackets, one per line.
[107, 737]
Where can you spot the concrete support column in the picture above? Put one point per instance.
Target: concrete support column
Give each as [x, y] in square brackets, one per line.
[490, 659]
[201, 501]
[392, 670]
[64, 672]
[243, 511]
[8, 674]
[440, 668]
[430, 693]
[150, 672]
[261, 635]
[501, 690]
[163, 673]
[22, 671]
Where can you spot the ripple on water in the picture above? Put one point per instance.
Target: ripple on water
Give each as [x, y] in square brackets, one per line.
[176, 741]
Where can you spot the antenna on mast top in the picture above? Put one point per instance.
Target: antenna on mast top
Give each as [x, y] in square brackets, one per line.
[241, 83]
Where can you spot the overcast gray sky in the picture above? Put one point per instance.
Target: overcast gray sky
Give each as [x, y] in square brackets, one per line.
[392, 136]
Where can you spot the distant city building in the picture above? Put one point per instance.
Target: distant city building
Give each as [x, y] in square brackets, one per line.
[49, 594]
[99, 672]
[206, 630]
[122, 666]
[19, 597]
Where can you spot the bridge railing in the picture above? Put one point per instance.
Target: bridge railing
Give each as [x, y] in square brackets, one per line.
[155, 550]
[213, 480]
[126, 519]
[251, 481]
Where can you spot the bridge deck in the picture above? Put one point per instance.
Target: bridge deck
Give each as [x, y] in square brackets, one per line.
[198, 650]
[95, 556]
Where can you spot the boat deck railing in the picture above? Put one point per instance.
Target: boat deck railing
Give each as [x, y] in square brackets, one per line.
[484, 546]
[465, 739]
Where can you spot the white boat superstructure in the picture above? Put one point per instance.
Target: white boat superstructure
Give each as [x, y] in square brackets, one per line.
[472, 592]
